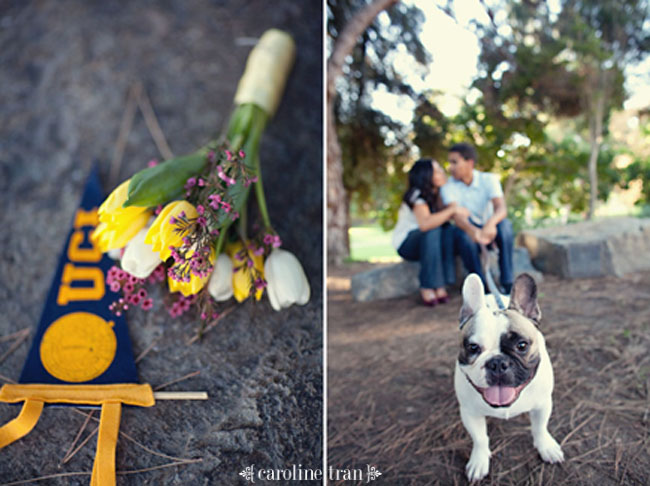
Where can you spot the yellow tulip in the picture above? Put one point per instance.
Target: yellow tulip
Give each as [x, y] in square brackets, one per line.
[163, 234]
[187, 288]
[195, 284]
[117, 225]
[245, 276]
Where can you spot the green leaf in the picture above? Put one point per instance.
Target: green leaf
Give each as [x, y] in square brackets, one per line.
[164, 182]
[239, 195]
[247, 124]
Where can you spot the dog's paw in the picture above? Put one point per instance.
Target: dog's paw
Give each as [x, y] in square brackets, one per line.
[478, 465]
[549, 449]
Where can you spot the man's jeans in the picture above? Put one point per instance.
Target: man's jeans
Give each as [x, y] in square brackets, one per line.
[469, 252]
[434, 249]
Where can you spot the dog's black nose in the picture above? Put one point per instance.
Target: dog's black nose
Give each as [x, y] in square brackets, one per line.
[498, 365]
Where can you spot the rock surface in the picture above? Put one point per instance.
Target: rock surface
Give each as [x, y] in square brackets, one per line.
[385, 282]
[66, 73]
[400, 279]
[614, 246]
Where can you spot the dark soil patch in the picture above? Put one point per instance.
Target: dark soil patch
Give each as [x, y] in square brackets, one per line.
[391, 401]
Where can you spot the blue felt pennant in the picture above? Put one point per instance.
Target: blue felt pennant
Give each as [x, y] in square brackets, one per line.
[78, 339]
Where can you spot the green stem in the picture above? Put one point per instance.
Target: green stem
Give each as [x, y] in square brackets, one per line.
[236, 142]
[243, 217]
[254, 134]
[259, 192]
[221, 240]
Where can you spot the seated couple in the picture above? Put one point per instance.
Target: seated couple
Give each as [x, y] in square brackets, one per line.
[473, 201]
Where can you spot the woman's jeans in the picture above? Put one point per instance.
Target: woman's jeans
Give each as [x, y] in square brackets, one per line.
[434, 249]
[470, 253]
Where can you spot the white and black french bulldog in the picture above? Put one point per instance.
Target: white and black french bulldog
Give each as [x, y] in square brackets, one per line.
[503, 369]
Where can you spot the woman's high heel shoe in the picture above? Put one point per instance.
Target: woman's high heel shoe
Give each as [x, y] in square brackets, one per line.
[428, 297]
[431, 303]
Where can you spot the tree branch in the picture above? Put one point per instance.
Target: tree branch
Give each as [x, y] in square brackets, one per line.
[348, 38]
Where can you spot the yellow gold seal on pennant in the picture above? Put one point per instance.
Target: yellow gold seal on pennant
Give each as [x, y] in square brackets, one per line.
[78, 347]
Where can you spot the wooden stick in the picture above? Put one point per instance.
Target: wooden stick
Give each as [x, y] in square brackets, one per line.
[125, 128]
[50, 476]
[78, 436]
[193, 395]
[15, 335]
[162, 466]
[6, 379]
[189, 375]
[83, 443]
[212, 324]
[149, 348]
[153, 125]
[17, 343]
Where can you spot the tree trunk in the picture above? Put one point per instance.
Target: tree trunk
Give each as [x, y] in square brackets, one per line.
[595, 139]
[510, 181]
[338, 245]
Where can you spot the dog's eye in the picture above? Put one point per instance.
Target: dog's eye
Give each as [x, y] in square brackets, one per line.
[522, 346]
[473, 348]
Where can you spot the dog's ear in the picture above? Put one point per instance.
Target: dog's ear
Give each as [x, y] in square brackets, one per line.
[523, 298]
[473, 297]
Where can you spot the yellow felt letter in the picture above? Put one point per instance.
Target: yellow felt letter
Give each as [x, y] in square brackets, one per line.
[77, 254]
[86, 218]
[72, 273]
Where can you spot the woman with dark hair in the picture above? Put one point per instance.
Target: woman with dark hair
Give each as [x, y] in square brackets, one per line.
[423, 232]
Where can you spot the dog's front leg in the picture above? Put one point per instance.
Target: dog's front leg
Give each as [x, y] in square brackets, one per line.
[479, 461]
[544, 442]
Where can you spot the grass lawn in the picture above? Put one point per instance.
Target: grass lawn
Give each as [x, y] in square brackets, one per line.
[371, 243]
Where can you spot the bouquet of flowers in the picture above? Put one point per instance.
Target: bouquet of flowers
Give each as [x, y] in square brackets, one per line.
[184, 221]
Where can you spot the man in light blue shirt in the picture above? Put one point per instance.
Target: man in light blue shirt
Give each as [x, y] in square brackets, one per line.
[481, 193]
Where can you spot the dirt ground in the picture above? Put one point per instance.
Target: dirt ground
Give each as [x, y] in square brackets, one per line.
[391, 401]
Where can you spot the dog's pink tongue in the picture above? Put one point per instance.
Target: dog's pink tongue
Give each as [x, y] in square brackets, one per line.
[499, 395]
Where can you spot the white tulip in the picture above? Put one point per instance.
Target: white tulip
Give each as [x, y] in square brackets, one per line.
[115, 253]
[286, 280]
[139, 259]
[220, 284]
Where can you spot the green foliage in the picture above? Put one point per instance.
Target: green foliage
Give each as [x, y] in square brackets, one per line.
[371, 242]
[521, 67]
[164, 182]
[394, 32]
[554, 181]
[430, 128]
[542, 177]
[375, 148]
[536, 67]
[639, 170]
[374, 168]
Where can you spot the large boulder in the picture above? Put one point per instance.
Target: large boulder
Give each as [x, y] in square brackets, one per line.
[401, 279]
[521, 263]
[385, 282]
[612, 246]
